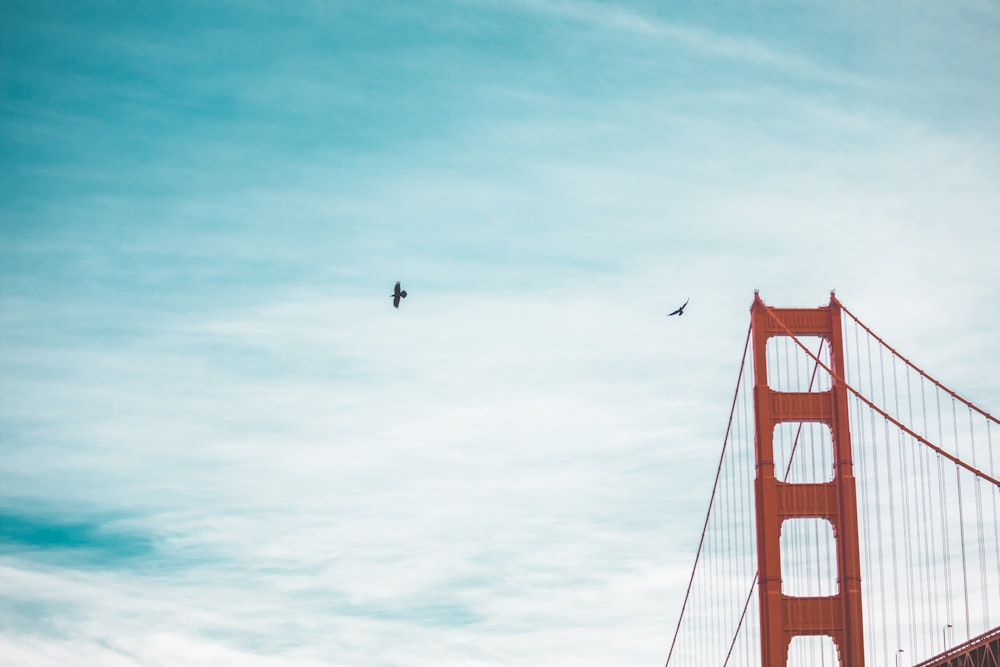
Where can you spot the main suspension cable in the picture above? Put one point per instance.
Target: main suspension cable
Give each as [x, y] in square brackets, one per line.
[975, 471]
[909, 363]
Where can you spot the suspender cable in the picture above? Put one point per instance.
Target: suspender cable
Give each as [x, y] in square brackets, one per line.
[914, 366]
[890, 466]
[996, 523]
[878, 515]
[979, 522]
[961, 526]
[858, 427]
[907, 553]
[945, 533]
[931, 578]
[960, 464]
[957, 461]
[711, 500]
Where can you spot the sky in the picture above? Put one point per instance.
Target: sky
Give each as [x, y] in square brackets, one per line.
[219, 442]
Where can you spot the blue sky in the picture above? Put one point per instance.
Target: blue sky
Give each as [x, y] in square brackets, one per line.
[220, 443]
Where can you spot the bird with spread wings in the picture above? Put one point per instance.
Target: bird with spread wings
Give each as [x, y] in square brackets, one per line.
[397, 294]
[680, 311]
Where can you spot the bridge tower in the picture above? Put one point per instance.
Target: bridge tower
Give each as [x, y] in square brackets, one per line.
[783, 617]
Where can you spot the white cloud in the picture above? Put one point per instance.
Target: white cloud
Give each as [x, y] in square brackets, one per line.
[512, 467]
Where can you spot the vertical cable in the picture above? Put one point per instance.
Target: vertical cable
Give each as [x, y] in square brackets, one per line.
[973, 584]
[892, 510]
[729, 546]
[861, 443]
[753, 633]
[934, 580]
[920, 536]
[748, 534]
[904, 501]
[708, 514]
[928, 577]
[878, 499]
[993, 498]
[981, 534]
[961, 525]
[865, 503]
[945, 532]
[740, 547]
[713, 580]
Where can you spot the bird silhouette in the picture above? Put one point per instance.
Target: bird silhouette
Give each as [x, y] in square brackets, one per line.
[680, 311]
[397, 294]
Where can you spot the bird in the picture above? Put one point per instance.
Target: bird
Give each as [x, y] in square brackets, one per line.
[397, 294]
[680, 311]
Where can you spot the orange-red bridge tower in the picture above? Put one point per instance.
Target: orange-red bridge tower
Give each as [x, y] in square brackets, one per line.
[784, 617]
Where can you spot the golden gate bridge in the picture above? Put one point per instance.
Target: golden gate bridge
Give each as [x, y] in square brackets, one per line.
[855, 515]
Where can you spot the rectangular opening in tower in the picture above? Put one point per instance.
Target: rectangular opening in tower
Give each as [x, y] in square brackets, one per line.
[790, 368]
[812, 651]
[803, 452]
[808, 558]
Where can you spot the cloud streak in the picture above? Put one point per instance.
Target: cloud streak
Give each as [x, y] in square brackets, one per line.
[239, 453]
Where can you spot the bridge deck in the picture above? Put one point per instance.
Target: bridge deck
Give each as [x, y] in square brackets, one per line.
[981, 651]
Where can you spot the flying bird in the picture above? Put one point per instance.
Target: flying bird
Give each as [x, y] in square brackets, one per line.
[680, 311]
[397, 294]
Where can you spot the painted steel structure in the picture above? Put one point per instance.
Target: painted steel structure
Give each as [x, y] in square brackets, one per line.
[981, 651]
[923, 505]
[783, 617]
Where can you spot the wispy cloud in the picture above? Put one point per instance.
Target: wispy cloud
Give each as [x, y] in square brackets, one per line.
[228, 447]
[697, 40]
